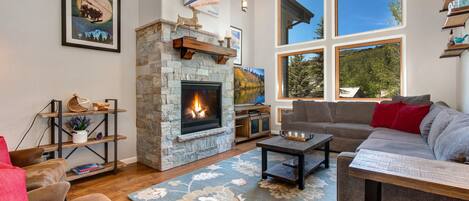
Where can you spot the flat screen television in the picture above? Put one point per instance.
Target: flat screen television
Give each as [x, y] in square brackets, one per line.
[249, 86]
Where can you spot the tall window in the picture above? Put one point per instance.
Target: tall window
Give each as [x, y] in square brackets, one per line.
[363, 71]
[301, 75]
[358, 16]
[369, 70]
[300, 21]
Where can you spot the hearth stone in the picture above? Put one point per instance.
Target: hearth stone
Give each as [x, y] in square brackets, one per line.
[159, 72]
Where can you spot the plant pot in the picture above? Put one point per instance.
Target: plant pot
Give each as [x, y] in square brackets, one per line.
[80, 137]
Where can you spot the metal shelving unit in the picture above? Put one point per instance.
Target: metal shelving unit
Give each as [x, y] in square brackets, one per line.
[57, 145]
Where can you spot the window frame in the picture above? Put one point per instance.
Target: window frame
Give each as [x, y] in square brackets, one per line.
[280, 55]
[335, 34]
[338, 47]
[278, 28]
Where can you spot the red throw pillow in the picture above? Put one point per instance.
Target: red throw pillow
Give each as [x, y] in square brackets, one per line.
[385, 113]
[409, 118]
[4, 155]
[12, 183]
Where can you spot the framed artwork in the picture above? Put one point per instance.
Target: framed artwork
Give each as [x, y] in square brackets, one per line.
[210, 7]
[237, 44]
[92, 24]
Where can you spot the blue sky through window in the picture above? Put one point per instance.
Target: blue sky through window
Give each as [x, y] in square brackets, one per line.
[306, 32]
[357, 16]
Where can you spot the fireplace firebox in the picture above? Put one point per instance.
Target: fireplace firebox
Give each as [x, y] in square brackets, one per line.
[201, 106]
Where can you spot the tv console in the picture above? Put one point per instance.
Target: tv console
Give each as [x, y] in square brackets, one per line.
[252, 121]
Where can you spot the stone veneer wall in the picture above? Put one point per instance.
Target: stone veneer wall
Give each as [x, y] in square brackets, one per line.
[160, 70]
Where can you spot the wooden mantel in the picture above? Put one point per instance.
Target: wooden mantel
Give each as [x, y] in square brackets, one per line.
[189, 46]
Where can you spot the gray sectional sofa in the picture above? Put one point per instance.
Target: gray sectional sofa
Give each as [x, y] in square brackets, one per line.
[445, 136]
[348, 122]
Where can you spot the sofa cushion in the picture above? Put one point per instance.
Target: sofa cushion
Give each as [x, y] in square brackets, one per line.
[385, 113]
[299, 112]
[45, 173]
[318, 127]
[354, 112]
[453, 146]
[440, 123]
[12, 183]
[403, 148]
[427, 121]
[4, 155]
[349, 130]
[413, 100]
[396, 136]
[317, 111]
[453, 142]
[409, 118]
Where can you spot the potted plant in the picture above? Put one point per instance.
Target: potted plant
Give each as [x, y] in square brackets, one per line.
[79, 126]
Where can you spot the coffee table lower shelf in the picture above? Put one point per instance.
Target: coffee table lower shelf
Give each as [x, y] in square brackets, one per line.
[288, 171]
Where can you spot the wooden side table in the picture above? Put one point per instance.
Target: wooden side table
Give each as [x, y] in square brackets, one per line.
[438, 177]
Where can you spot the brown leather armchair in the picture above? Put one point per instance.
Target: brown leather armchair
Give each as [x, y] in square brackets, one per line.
[44, 179]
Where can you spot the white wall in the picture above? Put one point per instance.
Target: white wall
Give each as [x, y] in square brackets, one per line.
[35, 68]
[218, 25]
[463, 96]
[245, 21]
[424, 42]
[463, 79]
[149, 10]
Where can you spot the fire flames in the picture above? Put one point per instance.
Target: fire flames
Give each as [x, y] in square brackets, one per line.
[197, 111]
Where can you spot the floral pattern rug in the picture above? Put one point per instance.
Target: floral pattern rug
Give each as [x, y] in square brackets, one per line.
[239, 179]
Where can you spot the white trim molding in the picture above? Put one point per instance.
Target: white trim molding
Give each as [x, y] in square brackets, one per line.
[129, 160]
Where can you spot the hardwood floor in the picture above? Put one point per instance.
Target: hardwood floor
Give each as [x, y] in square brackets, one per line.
[137, 176]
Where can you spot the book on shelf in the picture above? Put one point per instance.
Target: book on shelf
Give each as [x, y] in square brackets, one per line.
[83, 169]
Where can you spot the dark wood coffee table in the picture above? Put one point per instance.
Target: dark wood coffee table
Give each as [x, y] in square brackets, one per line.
[288, 170]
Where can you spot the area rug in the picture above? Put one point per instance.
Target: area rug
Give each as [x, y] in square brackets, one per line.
[239, 179]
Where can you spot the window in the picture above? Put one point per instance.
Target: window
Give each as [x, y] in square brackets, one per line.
[369, 70]
[300, 21]
[301, 75]
[358, 16]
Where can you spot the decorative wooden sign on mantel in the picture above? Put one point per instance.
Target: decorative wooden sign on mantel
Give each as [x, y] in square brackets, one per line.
[189, 46]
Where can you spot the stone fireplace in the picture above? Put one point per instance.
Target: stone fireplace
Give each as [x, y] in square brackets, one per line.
[185, 109]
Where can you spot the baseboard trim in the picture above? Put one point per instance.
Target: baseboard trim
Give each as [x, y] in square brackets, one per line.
[129, 160]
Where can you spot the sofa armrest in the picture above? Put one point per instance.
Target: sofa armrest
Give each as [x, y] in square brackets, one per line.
[287, 117]
[54, 192]
[348, 188]
[26, 157]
